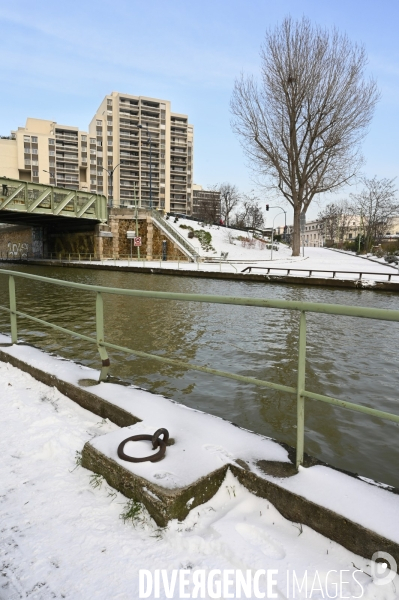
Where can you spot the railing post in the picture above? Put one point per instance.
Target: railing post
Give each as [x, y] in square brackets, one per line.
[300, 441]
[100, 337]
[13, 309]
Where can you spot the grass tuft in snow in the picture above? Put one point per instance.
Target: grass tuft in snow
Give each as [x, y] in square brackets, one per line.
[132, 512]
[299, 527]
[111, 494]
[78, 460]
[231, 490]
[96, 480]
[49, 400]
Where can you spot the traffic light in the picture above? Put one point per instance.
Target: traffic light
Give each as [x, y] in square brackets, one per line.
[267, 207]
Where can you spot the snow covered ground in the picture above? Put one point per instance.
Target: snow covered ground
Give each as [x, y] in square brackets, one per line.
[62, 535]
[255, 254]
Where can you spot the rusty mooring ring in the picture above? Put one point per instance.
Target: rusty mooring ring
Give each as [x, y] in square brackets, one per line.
[156, 443]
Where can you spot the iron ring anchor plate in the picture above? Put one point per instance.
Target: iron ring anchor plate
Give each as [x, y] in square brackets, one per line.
[157, 442]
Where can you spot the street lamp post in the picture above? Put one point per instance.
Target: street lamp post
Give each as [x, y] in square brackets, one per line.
[137, 222]
[149, 142]
[271, 254]
[285, 216]
[111, 175]
[51, 175]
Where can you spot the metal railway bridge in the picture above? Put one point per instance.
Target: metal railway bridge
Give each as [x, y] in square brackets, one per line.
[57, 209]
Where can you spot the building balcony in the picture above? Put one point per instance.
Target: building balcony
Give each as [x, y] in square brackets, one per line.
[127, 103]
[129, 144]
[69, 159]
[66, 137]
[130, 185]
[67, 170]
[125, 111]
[129, 154]
[175, 150]
[128, 123]
[128, 134]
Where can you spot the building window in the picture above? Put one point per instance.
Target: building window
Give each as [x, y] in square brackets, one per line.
[35, 173]
[92, 140]
[99, 122]
[84, 138]
[51, 142]
[26, 138]
[34, 139]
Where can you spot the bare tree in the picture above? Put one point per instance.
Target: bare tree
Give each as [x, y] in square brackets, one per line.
[302, 126]
[229, 199]
[377, 205]
[250, 214]
[209, 209]
[335, 218]
[329, 217]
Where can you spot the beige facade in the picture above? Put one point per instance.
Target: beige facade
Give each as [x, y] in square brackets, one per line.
[120, 132]
[46, 152]
[316, 234]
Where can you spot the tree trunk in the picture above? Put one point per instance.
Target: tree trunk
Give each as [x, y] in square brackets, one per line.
[296, 235]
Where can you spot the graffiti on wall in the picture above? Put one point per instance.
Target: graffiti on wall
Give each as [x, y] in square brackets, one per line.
[17, 250]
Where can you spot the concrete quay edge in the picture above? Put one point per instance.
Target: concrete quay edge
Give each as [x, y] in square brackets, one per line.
[385, 286]
[165, 504]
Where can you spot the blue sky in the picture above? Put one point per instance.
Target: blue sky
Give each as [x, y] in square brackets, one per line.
[58, 60]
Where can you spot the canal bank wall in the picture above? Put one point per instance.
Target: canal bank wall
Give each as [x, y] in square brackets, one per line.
[386, 286]
[359, 516]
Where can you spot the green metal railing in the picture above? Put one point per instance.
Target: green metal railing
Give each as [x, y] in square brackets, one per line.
[302, 307]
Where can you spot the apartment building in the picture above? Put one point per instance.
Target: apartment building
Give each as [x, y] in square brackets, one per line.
[317, 233]
[136, 149]
[206, 204]
[45, 152]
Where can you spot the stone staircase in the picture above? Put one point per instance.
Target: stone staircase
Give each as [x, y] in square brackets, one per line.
[180, 241]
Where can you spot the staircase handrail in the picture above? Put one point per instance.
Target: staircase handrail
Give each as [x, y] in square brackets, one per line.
[178, 238]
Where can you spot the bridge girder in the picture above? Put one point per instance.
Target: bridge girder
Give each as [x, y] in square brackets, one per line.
[25, 202]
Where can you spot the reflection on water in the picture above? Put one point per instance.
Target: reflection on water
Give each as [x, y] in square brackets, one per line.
[354, 359]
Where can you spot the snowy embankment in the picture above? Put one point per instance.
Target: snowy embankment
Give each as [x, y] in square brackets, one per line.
[62, 537]
[249, 252]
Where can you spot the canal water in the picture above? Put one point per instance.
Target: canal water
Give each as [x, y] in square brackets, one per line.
[349, 358]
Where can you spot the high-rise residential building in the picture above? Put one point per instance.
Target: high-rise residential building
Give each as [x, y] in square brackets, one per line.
[45, 152]
[136, 149]
[153, 148]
